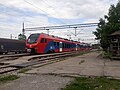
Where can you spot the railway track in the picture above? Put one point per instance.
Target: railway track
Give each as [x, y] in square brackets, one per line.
[13, 55]
[34, 61]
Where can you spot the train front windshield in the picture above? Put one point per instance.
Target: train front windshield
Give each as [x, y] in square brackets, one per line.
[33, 38]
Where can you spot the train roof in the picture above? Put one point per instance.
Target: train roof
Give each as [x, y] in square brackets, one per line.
[7, 39]
[59, 38]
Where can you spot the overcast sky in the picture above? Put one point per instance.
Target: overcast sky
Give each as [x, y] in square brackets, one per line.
[51, 12]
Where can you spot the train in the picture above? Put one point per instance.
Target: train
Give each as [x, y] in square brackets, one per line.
[12, 45]
[41, 43]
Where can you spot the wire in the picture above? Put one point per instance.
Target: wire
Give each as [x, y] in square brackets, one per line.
[36, 7]
[54, 10]
[42, 10]
[63, 26]
[6, 12]
[47, 3]
[24, 19]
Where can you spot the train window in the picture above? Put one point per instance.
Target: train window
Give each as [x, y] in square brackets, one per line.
[66, 45]
[58, 44]
[45, 40]
[33, 38]
[63, 45]
[55, 44]
[42, 40]
[69, 46]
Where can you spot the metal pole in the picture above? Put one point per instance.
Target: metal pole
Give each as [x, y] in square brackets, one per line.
[75, 31]
[10, 36]
[47, 31]
[69, 37]
[23, 30]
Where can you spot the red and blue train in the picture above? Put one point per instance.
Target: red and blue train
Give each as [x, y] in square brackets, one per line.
[44, 43]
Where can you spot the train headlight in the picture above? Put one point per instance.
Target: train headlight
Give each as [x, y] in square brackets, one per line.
[30, 46]
[29, 50]
[35, 47]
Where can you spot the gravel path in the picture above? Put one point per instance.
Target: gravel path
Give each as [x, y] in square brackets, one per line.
[37, 82]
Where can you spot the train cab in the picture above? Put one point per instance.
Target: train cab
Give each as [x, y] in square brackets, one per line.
[32, 43]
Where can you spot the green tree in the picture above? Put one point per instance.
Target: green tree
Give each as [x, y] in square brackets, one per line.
[107, 25]
[21, 37]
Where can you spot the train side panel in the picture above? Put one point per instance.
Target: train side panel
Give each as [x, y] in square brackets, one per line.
[9, 45]
[46, 45]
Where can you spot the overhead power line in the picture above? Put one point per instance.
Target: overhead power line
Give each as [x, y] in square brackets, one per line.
[42, 10]
[62, 26]
[11, 14]
[35, 6]
[45, 2]
[7, 11]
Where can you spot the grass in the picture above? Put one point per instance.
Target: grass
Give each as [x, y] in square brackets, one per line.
[81, 53]
[106, 54]
[82, 61]
[24, 70]
[93, 83]
[8, 78]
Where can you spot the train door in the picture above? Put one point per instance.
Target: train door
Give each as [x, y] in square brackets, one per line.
[76, 47]
[60, 46]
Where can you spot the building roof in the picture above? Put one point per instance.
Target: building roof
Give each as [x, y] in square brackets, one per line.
[116, 33]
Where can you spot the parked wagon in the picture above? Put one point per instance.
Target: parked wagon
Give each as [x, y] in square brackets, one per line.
[11, 45]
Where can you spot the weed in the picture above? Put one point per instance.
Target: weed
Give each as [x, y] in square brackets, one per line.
[8, 78]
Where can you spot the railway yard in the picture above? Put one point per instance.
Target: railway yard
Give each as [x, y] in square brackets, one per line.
[60, 45]
[54, 71]
[15, 62]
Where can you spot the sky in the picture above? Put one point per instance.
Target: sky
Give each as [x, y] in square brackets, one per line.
[41, 13]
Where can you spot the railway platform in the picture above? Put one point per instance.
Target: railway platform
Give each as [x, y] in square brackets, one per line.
[57, 75]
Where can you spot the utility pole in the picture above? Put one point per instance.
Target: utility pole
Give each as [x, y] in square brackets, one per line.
[10, 36]
[22, 36]
[47, 31]
[23, 30]
[75, 31]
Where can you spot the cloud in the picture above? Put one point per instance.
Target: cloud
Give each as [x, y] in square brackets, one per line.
[74, 8]
[63, 8]
[50, 12]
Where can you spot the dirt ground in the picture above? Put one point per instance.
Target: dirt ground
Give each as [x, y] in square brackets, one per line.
[55, 76]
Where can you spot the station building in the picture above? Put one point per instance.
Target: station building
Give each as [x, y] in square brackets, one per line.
[115, 44]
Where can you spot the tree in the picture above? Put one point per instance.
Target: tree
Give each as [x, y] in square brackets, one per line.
[21, 37]
[107, 25]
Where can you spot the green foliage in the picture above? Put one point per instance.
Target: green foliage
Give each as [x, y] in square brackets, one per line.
[106, 54]
[8, 78]
[21, 37]
[93, 83]
[24, 70]
[107, 25]
[82, 61]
